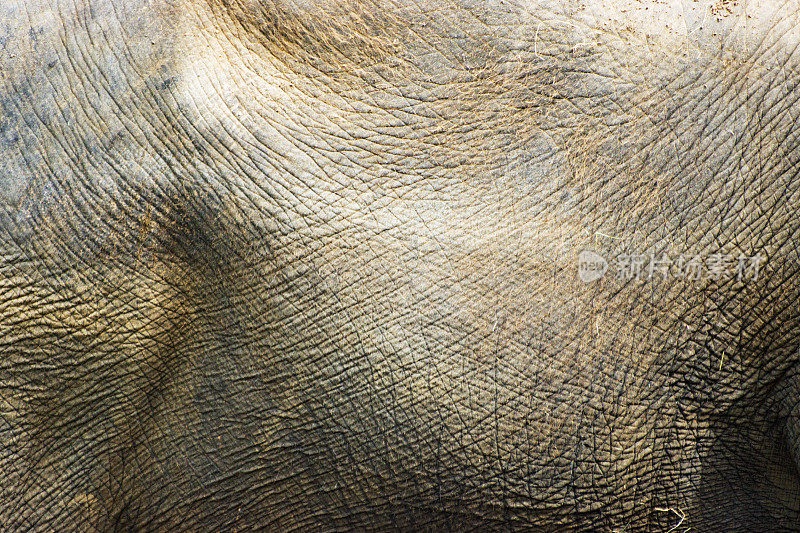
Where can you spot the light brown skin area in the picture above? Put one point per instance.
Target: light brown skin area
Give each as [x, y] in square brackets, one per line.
[314, 265]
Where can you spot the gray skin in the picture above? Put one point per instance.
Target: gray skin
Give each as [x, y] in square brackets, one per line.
[313, 265]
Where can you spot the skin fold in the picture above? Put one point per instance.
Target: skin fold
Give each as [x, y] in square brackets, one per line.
[313, 265]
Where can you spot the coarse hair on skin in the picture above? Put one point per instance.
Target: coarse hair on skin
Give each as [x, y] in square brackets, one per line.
[350, 31]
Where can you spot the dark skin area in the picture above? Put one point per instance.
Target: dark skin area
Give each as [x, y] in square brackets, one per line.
[314, 266]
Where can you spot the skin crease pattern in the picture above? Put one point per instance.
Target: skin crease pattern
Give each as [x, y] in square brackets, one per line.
[316, 265]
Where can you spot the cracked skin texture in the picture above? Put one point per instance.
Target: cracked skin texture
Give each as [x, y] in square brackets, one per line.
[311, 265]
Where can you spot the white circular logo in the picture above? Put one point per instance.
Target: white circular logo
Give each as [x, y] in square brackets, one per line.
[591, 266]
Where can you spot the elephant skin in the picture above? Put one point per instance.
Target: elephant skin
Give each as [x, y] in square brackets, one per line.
[317, 265]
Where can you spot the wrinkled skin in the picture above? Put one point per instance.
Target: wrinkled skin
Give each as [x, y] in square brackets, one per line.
[312, 265]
